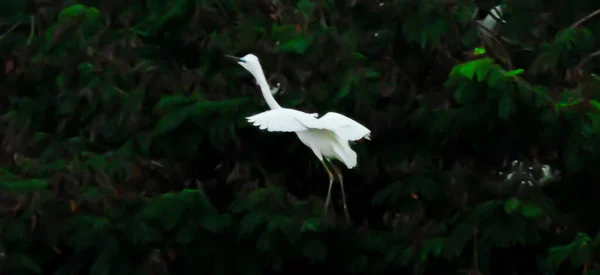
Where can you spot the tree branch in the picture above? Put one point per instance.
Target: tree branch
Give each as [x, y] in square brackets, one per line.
[588, 17]
[588, 58]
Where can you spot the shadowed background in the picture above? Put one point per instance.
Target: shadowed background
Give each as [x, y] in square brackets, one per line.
[125, 148]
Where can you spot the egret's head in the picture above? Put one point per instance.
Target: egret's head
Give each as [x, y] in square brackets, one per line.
[249, 62]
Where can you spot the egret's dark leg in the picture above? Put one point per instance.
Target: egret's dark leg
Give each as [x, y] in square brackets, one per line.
[341, 179]
[328, 199]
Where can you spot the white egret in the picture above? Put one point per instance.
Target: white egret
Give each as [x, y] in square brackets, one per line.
[328, 136]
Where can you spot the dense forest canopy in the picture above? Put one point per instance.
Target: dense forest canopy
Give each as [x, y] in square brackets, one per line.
[125, 148]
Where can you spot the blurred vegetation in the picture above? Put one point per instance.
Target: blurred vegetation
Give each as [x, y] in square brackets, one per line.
[125, 150]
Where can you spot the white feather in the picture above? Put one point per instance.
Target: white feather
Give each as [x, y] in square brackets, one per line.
[290, 120]
[285, 120]
[345, 127]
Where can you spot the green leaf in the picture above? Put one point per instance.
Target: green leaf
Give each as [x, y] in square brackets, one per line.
[216, 222]
[310, 224]
[314, 250]
[24, 186]
[349, 79]
[240, 205]
[432, 246]
[25, 261]
[86, 68]
[277, 263]
[514, 72]
[259, 195]
[283, 32]
[306, 7]
[383, 195]
[297, 45]
[595, 103]
[370, 73]
[15, 231]
[78, 10]
[462, 90]
[101, 265]
[393, 253]
[193, 198]
[557, 255]
[278, 222]
[511, 205]
[173, 102]
[505, 105]
[251, 222]
[531, 211]
[172, 217]
[427, 186]
[582, 239]
[172, 120]
[264, 243]
[469, 69]
[483, 71]
[495, 78]
[91, 193]
[185, 235]
[478, 51]
[358, 56]
[407, 253]
[72, 11]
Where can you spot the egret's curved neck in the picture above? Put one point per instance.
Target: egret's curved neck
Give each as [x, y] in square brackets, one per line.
[265, 89]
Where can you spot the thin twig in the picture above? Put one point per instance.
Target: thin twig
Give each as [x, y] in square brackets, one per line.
[475, 252]
[588, 58]
[474, 14]
[576, 24]
[10, 30]
[31, 29]
[222, 9]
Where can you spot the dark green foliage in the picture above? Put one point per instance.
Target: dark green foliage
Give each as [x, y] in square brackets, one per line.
[125, 149]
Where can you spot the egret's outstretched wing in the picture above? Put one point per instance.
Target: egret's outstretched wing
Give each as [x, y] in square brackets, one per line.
[345, 127]
[285, 120]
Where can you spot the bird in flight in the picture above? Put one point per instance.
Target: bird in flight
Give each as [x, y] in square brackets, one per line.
[328, 136]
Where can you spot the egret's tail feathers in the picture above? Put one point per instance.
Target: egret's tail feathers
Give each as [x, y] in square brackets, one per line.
[345, 154]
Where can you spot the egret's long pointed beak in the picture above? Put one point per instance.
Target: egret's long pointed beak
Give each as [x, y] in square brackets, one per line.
[235, 58]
